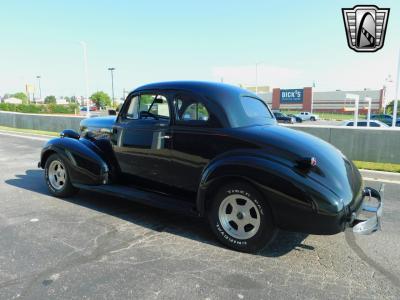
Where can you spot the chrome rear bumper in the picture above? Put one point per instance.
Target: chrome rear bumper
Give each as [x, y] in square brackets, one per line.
[368, 218]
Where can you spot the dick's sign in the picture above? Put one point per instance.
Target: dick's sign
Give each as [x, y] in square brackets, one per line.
[292, 96]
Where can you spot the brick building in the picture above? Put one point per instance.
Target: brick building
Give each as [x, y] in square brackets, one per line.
[334, 101]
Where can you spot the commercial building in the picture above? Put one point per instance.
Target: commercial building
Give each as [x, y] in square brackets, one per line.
[305, 99]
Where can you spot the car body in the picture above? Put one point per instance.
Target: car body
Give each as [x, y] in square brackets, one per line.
[364, 123]
[307, 116]
[228, 161]
[283, 118]
[385, 118]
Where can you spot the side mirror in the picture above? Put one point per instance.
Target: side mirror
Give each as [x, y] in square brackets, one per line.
[112, 112]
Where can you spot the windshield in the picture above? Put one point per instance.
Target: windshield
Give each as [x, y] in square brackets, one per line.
[254, 112]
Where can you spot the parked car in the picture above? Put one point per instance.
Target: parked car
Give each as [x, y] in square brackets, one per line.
[298, 119]
[305, 116]
[91, 108]
[387, 119]
[213, 150]
[282, 118]
[372, 123]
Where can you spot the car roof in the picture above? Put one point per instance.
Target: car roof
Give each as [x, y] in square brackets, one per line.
[215, 90]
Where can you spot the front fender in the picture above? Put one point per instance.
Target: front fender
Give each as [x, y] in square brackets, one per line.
[85, 166]
[295, 199]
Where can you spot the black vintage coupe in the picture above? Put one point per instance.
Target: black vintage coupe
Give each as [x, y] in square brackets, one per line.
[213, 150]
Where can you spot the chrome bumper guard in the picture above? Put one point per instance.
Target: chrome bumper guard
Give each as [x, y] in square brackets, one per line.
[363, 225]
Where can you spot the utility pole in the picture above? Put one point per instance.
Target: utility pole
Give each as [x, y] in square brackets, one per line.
[112, 84]
[86, 79]
[124, 94]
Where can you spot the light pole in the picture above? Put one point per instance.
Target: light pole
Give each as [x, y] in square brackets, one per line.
[257, 63]
[112, 84]
[394, 119]
[86, 79]
[40, 89]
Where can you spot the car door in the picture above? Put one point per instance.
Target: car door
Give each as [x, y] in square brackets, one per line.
[196, 139]
[141, 138]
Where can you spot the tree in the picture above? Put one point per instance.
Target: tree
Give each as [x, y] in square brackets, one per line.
[73, 99]
[101, 99]
[50, 99]
[22, 96]
[389, 107]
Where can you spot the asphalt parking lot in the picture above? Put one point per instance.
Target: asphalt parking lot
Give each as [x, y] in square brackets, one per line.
[97, 247]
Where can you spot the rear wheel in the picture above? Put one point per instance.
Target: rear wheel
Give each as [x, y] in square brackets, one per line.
[312, 119]
[57, 178]
[241, 219]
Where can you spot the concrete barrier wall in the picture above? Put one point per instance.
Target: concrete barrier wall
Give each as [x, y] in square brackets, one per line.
[366, 144]
[372, 144]
[39, 122]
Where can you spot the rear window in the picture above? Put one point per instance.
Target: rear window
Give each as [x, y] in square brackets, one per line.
[255, 112]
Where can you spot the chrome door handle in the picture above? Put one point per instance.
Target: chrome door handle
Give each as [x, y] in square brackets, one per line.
[167, 137]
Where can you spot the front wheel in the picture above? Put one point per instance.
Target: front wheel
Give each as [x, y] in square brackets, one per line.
[57, 177]
[241, 219]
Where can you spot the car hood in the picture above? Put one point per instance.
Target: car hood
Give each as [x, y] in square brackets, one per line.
[333, 169]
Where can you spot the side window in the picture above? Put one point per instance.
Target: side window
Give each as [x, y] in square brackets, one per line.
[153, 105]
[195, 112]
[190, 111]
[158, 105]
[362, 124]
[350, 124]
[374, 124]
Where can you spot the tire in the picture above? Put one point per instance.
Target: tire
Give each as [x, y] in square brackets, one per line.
[231, 229]
[312, 119]
[57, 178]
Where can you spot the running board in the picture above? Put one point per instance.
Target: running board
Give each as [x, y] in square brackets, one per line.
[143, 197]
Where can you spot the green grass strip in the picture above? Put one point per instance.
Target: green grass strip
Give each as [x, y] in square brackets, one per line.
[31, 131]
[388, 167]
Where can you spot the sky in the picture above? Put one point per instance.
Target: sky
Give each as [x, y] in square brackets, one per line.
[294, 43]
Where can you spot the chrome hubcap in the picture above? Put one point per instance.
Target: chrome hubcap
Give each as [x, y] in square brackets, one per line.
[57, 174]
[239, 216]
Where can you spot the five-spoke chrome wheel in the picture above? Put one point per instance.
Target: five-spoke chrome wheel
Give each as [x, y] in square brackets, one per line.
[239, 216]
[57, 174]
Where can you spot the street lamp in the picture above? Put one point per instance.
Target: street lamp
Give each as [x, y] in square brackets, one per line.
[112, 84]
[40, 89]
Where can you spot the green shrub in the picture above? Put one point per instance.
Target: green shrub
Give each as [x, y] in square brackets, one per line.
[51, 108]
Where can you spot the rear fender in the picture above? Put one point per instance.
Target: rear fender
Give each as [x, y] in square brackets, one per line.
[85, 165]
[291, 195]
